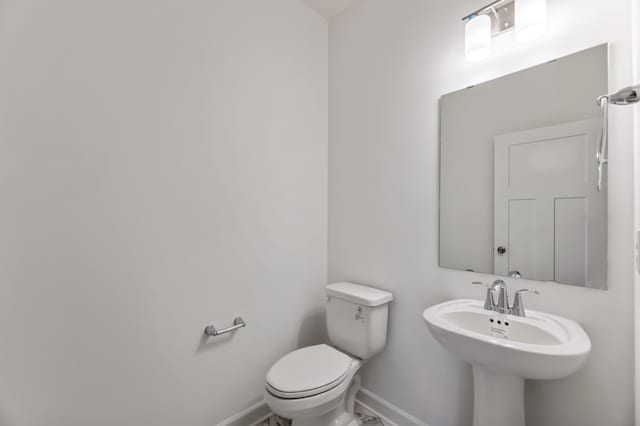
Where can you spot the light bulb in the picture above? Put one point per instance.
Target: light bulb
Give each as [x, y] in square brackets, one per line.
[477, 34]
[531, 19]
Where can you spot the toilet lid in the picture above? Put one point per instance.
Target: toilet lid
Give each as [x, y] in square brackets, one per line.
[308, 371]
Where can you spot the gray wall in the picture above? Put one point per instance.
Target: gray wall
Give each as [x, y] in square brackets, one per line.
[549, 94]
[636, 136]
[162, 166]
[390, 62]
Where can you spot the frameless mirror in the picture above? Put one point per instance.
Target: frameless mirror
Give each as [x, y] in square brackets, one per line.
[518, 174]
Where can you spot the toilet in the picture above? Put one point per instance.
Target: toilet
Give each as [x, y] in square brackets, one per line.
[317, 385]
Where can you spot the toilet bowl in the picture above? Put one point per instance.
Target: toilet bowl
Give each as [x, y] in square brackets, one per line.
[314, 386]
[317, 385]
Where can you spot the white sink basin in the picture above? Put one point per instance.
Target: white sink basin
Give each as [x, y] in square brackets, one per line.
[505, 350]
[538, 346]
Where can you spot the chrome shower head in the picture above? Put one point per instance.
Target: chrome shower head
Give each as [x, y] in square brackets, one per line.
[626, 96]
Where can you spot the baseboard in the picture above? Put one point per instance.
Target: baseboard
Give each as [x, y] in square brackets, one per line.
[366, 402]
[391, 415]
[251, 416]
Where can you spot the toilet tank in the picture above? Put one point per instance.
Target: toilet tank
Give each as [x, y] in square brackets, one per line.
[357, 318]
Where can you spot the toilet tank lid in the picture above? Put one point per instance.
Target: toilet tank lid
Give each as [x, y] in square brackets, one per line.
[359, 294]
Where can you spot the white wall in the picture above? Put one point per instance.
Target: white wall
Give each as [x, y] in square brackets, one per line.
[635, 23]
[390, 61]
[162, 166]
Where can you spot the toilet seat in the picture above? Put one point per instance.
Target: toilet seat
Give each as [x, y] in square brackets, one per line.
[309, 372]
[315, 402]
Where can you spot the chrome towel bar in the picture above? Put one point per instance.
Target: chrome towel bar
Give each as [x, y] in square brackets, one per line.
[213, 331]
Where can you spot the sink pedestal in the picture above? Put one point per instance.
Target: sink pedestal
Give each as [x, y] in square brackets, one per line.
[498, 398]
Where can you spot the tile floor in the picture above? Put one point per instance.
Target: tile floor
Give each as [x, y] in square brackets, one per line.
[279, 421]
[275, 421]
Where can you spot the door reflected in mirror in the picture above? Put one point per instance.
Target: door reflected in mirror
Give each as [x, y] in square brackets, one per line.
[518, 174]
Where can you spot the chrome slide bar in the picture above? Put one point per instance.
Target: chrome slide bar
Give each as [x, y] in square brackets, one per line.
[601, 158]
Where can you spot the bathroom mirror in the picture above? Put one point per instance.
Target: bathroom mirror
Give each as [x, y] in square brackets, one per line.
[518, 174]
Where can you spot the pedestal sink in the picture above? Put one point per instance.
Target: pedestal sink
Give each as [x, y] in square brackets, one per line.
[504, 351]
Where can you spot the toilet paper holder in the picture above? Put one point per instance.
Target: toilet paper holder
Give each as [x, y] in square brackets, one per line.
[213, 331]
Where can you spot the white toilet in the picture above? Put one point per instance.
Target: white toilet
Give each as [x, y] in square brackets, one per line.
[317, 385]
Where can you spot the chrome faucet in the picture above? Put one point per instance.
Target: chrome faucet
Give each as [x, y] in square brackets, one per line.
[503, 299]
[502, 306]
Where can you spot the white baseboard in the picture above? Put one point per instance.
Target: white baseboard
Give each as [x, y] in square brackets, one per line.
[251, 416]
[366, 402]
[386, 411]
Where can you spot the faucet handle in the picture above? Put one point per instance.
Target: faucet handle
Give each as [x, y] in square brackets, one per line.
[528, 290]
[518, 307]
[489, 301]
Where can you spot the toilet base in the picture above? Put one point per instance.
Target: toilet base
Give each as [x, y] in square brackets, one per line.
[337, 417]
[342, 415]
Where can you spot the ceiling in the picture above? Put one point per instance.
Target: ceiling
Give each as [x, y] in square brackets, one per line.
[329, 8]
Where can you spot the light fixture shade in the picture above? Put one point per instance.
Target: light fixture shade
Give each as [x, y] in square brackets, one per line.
[477, 34]
[531, 19]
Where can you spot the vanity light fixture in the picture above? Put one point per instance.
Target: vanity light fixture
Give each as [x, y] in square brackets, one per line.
[528, 17]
